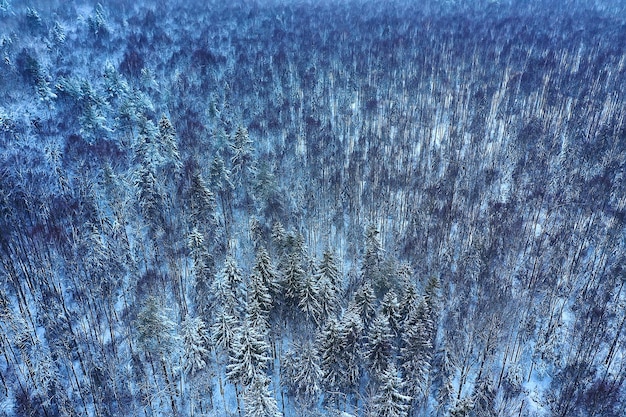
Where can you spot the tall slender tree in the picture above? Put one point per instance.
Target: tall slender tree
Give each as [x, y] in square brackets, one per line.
[378, 349]
[389, 400]
[416, 351]
[302, 372]
[195, 338]
[258, 399]
[248, 358]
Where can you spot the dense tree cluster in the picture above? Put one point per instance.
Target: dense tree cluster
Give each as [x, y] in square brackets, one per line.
[333, 208]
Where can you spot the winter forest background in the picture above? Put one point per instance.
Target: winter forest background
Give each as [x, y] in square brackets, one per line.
[323, 208]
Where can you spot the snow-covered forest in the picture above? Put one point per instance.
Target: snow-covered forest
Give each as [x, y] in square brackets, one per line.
[313, 208]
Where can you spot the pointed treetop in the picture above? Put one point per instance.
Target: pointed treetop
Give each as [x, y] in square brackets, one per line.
[389, 400]
[195, 342]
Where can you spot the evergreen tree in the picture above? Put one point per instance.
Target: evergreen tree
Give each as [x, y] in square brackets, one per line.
[58, 34]
[302, 372]
[330, 350]
[149, 196]
[219, 176]
[155, 331]
[114, 86]
[328, 283]
[329, 270]
[416, 351]
[265, 270]
[220, 181]
[309, 298]
[259, 294]
[167, 143]
[147, 150]
[431, 296]
[364, 303]
[97, 22]
[293, 275]
[256, 231]
[227, 292]
[195, 341]
[350, 338]
[463, 408]
[258, 399]
[249, 355]
[258, 316]
[378, 350]
[157, 337]
[328, 298]
[373, 256]
[223, 330]
[201, 202]
[409, 299]
[203, 269]
[445, 396]
[233, 279]
[279, 235]
[266, 191]
[389, 400]
[243, 167]
[390, 308]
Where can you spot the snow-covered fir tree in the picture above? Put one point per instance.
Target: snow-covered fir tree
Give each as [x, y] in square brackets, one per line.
[258, 399]
[378, 349]
[416, 350]
[309, 298]
[389, 400]
[249, 354]
[302, 372]
[195, 338]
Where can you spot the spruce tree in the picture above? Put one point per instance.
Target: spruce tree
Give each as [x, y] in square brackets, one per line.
[195, 342]
[249, 355]
[258, 316]
[266, 271]
[350, 340]
[302, 372]
[389, 400]
[378, 349]
[373, 256]
[223, 330]
[258, 399]
[279, 235]
[416, 351]
[224, 296]
[259, 294]
[157, 338]
[220, 181]
[147, 150]
[155, 330]
[219, 176]
[167, 143]
[328, 269]
[293, 274]
[409, 298]
[203, 269]
[463, 408]
[328, 283]
[149, 196]
[201, 202]
[227, 293]
[365, 303]
[309, 298]
[330, 350]
[243, 167]
[233, 279]
[390, 308]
